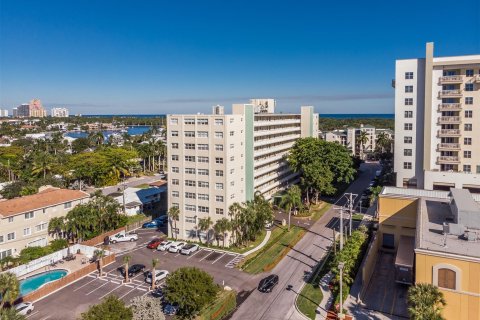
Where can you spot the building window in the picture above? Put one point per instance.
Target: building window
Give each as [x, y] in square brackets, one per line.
[468, 100]
[232, 171]
[175, 194]
[232, 145]
[467, 127]
[219, 122]
[469, 87]
[446, 278]
[203, 147]
[174, 133]
[175, 182]
[232, 196]
[27, 232]
[189, 134]
[218, 211]
[1, 239]
[202, 184]
[175, 205]
[190, 158]
[190, 220]
[478, 169]
[29, 215]
[203, 159]
[202, 196]
[219, 160]
[467, 141]
[232, 183]
[67, 205]
[189, 170]
[174, 157]
[232, 133]
[407, 140]
[468, 114]
[190, 195]
[232, 158]
[202, 122]
[467, 168]
[407, 152]
[219, 186]
[408, 114]
[190, 207]
[41, 227]
[173, 120]
[408, 126]
[219, 147]
[408, 75]
[175, 170]
[409, 101]
[469, 72]
[467, 154]
[219, 198]
[5, 253]
[218, 134]
[202, 172]
[190, 183]
[219, 173]
[408, 88]
[189, 121]
[202, 134]
[407, 165]
[189, 146]
[11, 236]
[203, 209]
[174, 145]
[10, 219]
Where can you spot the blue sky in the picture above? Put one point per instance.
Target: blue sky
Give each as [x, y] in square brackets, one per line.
[151, 57]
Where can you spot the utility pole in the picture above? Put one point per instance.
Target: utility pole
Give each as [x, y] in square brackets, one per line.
[123, 195]
[340, 268]
[350, 207]
[341, 229]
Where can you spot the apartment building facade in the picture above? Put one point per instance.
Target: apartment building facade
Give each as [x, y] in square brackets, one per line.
[437, 122]
[59, 112]
[24, 221]
[218, 159]
[33, 109]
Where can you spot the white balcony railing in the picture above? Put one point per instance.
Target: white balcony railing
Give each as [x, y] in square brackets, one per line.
[448, 159]
[449, 132]
[450, 93]
[451, 79]
[449, 146]
[449, 119]
[449, 106]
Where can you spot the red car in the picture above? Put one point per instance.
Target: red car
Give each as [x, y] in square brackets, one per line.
[154, 243]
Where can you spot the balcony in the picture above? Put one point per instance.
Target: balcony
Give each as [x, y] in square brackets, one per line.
[449, 119]
[449, 107]
[448, 159]
[449, 132]
[451, 79]
[448, 146]
[456, 93]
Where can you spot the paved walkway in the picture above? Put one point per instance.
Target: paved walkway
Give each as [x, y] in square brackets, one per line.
[327, 299]
[261, 245]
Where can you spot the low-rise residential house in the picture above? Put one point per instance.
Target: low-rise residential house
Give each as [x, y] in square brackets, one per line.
[136, 200]
[24, 221]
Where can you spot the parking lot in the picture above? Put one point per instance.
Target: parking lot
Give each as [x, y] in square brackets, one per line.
[71, 301]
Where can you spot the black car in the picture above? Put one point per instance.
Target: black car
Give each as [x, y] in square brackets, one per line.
[133, 270]
[267, 284]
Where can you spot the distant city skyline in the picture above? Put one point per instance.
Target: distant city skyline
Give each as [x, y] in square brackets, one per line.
[166, 57]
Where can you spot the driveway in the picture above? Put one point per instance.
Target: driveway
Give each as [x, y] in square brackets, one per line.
[299, 262]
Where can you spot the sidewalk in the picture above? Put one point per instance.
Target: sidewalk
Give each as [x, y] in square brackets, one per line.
[260, 246]
[327, 299]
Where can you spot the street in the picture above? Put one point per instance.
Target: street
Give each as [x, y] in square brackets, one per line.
[297, 265]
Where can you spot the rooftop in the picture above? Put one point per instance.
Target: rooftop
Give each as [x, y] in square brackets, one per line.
[46, 198]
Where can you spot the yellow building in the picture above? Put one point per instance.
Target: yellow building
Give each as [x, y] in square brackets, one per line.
[444, 228]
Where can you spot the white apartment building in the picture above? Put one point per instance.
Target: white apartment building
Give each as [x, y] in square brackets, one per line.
[59, 112]
[437, 122]
[3, 112]
[218, 159]
[24, 221]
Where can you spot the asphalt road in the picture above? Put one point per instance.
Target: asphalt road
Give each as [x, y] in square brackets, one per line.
[298, 264]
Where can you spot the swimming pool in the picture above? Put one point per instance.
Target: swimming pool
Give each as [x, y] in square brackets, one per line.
[34, 282]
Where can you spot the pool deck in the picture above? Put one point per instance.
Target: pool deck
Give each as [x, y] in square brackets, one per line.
[70, 266]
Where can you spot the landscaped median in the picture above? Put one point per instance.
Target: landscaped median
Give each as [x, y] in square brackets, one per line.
[223, 305]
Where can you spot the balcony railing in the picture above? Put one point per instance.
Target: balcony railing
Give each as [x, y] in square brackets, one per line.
[449, 146]
[449, 107]
[476, 78]
[450, 93]
[451, 79]
[448, 159]
[449, 119]
[449, 132]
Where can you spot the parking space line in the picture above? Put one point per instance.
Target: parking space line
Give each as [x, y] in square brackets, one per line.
[85, 284]
[46, 318]
[207, 254]
[32, 314]
[219, 258]
[98, 288]
[142, 289]
[194, 254]
[106, 294]
[123, 295]
[115, 282]
[177, 255]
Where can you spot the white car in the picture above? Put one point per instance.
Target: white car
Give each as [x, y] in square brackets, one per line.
[164, 245]
[189, 249]
[176, 247]
[159, 276]
[24, 308]
[121, 237]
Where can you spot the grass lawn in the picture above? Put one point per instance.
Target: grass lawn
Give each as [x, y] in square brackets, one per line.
[319, 210]
[136, 218]
[358, 217]
[143, 186]
[276, 248]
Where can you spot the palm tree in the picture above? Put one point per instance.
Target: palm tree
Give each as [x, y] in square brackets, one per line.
[154, 280]
[174, 215]
[11, 314]
[221, 227]
[383, 140]
[100, 254]
[42, 163]
[56, 226]
[126, 261]
[233, 212]
[291, 200]
[362, 140]
[425, 302]
[9, 288]
[96, 138]
[204, 224]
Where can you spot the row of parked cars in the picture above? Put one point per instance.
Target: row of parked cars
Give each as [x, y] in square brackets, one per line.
[173, 246]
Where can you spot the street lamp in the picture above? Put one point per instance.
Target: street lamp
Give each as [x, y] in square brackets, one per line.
[340, 268]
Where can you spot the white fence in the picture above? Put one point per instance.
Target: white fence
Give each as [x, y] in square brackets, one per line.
[51, 258]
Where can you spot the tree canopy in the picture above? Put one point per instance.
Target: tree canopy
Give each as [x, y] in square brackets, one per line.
[111, 308]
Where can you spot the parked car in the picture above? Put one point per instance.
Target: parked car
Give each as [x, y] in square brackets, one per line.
[162, 219]
[170, 309]
[154, 243]
[176, 247]
[134, 269]
[159, 276]
[158, 293]
[189, 249]
[24, 308]
[121, 237]
[164, 245]
[155, 223]
[267, 284]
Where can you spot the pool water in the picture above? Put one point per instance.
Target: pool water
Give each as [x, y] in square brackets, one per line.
[34, 282]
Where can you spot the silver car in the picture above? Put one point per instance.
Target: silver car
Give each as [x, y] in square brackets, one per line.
[189, 249]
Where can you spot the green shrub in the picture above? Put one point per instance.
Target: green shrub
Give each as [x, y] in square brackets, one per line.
[225, 303]
[58, 244]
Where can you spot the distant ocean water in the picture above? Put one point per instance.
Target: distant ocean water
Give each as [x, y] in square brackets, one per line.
[322, 115]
